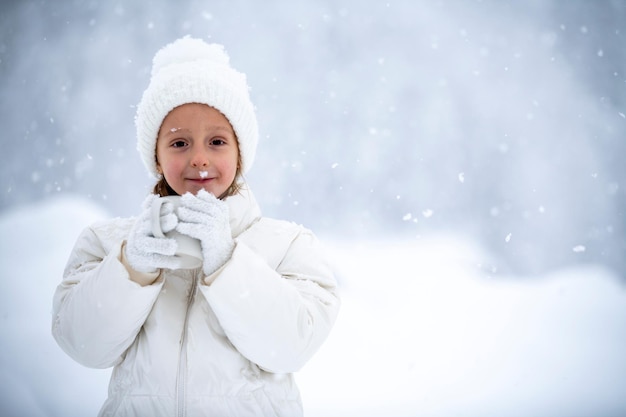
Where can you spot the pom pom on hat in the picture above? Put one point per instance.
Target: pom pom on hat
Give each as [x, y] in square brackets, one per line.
[189, 50]
[192, 71]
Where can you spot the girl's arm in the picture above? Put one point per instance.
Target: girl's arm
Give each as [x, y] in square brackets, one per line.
[279, 316]
[97, 309]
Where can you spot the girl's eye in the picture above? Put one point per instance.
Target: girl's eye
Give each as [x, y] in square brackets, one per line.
[218, 142]
[179, 144]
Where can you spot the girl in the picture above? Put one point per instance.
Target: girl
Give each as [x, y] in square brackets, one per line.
[222, 339]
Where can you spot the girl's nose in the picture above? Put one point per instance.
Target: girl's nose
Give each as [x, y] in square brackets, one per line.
[199, 159]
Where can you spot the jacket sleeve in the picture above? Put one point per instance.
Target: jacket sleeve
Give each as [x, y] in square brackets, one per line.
[276, 316]
[97, 310]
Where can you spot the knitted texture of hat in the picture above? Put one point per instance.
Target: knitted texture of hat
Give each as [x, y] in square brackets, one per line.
[192, 71]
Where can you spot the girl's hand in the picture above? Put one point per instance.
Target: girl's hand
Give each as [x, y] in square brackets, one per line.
[146, 253]
[207, 219]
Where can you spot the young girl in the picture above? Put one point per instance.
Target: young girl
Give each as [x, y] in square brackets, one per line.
[222, 339]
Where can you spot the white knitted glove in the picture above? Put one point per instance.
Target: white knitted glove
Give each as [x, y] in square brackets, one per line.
[145, 252]
[207, 219]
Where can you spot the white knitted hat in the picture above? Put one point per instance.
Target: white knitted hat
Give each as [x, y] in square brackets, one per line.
[191, 71]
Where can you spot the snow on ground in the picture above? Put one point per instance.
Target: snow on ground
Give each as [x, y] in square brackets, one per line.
[422, 331]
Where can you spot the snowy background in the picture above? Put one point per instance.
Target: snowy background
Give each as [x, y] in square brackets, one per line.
[463, 160]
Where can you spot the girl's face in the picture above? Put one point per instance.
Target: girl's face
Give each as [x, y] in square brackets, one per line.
[197, 148]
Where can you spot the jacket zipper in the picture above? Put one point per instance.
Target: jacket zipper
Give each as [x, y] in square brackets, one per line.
[181, 378]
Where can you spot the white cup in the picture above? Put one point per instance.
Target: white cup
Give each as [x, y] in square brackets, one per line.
[189, 250]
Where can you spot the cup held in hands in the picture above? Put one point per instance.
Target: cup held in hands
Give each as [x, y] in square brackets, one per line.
[189, 250]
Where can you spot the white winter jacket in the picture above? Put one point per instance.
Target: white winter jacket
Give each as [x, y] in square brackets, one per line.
[181, 347]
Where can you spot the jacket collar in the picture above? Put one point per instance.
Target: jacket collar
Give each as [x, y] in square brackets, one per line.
[244, 210]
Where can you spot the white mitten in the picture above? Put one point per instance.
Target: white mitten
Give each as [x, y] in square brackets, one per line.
[206, 218]
[144, 251]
